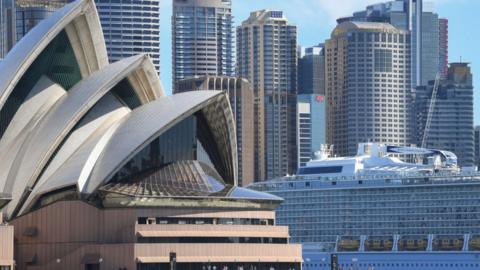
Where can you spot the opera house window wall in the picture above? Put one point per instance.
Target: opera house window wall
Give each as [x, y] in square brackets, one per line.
[100, 170]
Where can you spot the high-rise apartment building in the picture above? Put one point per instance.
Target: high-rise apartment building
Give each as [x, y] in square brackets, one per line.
[7, 29]
[131, 27]
[202, 38]
[311, 70]
[29, 13]
[266, 56]
[240, 94]
[443, 46]
[310, 126]
[367, 85]
[451, 127]
[423, 24]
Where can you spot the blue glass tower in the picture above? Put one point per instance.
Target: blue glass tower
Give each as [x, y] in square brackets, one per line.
[310, 125]
[311, 70]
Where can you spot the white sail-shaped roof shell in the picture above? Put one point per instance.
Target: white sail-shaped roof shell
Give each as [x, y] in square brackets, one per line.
[147, 123]
[80, 20]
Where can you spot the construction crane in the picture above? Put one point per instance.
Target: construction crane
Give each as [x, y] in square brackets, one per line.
[431, 108]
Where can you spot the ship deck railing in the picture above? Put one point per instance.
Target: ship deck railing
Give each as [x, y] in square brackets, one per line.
[410, 178]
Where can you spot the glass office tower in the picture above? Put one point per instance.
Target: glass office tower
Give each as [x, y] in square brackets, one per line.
[310, 126]
[131, 27]
[202, 39]
[311, 70]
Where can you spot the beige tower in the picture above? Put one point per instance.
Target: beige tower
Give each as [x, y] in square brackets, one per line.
[266, 56]
[367, 70]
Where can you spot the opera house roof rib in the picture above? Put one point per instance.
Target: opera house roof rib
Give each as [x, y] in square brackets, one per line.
[73, 126]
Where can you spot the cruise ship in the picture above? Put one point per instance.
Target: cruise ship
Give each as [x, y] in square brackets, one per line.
[388, 207]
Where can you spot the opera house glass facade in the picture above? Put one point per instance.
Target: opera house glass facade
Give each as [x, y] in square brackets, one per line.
[100, 170]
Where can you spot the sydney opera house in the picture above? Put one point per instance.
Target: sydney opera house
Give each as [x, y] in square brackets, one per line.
[99, 169]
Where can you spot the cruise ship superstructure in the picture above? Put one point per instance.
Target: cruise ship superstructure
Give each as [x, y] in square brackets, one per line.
[375, 211]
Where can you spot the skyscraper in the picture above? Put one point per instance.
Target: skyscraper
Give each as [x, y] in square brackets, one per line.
[423, 24]
[310, 126]
[266, 56]
[240, 95]
[131, 27]
[7, 33]
[451, 127]
[430, 47]
[443, 45]
[367, 85]
[202, 38]
[311, 70]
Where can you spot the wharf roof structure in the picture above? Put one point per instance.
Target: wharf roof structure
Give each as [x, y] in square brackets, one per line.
[73, 126]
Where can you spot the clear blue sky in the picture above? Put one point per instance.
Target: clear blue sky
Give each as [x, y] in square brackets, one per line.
[316, 18]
